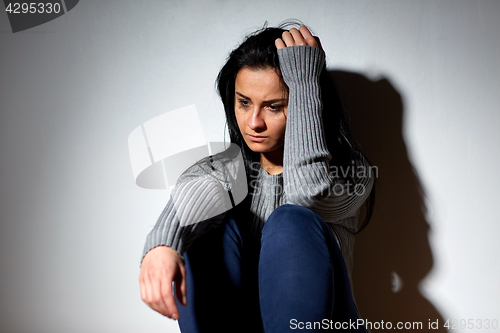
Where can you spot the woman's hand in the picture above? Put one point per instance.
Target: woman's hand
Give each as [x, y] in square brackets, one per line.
[296, 37]
[159, 268]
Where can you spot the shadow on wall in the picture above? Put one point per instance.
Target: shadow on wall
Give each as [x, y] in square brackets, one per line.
[392, 255]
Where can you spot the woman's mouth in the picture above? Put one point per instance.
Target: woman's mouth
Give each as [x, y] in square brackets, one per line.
[256, 138]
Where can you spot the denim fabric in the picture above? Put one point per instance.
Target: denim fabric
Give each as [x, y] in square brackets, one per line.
[294, 276]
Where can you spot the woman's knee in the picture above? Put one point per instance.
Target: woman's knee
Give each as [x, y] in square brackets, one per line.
[294, 223]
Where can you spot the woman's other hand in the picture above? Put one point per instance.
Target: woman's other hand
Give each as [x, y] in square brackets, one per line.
[160, 267]
[296, 37]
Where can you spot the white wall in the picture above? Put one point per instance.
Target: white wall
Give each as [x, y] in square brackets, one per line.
[73, 222]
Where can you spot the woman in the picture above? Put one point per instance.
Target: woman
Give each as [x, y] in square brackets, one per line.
[281, 260]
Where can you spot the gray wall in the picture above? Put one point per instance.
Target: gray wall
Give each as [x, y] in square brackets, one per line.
[422, 80]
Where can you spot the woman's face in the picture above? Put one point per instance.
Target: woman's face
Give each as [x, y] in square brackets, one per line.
[260, 105]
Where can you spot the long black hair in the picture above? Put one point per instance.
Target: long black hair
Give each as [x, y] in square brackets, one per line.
[258, 51]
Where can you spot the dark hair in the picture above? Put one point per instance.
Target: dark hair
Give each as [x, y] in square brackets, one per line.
[258, 51]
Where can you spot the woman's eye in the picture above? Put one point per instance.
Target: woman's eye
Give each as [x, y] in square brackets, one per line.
[243, 102]
[275, 107]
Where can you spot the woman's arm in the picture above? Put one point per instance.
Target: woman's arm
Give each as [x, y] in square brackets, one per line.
[195, 205]
[308, 179]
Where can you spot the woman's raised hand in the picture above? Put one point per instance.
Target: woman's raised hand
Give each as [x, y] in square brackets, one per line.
[296, 37]
[160, 267]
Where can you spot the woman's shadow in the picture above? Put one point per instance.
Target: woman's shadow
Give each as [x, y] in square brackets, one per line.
[392, 255]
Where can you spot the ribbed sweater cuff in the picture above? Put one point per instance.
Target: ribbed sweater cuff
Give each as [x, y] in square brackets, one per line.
[301, 63]
[301, 67]
[306, 155]
[168, 234]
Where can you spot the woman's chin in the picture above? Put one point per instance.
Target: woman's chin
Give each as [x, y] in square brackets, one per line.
[256, 148]
[262, 148]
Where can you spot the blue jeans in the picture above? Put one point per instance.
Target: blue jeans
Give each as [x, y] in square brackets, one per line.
[294, 276]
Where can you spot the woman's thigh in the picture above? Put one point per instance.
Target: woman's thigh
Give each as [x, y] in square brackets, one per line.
[299, 275]
[302, 274]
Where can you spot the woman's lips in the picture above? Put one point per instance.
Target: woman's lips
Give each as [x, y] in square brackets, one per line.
[256, 138]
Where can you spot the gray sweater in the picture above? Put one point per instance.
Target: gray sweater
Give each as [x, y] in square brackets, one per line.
[307, 179]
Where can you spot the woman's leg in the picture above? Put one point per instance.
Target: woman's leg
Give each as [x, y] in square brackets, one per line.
[222, 287]
[302, 274]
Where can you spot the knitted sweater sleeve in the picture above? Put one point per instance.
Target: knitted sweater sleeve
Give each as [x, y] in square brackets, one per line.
[196, 205]
[307, 177]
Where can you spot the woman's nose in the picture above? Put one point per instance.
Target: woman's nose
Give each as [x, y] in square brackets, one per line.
[256, 121]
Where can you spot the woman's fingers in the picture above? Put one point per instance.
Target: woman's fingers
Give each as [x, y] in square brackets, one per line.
[319, 43]
[157, 291]
[288, 39]
[158, 270]
[180, 286]
[279, 44]
[308, 37]
[167, 300]
[295, 37]
[142, 284]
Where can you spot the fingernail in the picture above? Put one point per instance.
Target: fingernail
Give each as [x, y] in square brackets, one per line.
[174, 316]
[184, 300]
